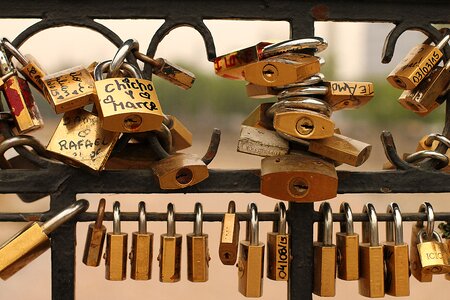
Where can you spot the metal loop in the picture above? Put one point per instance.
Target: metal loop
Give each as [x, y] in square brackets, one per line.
[116, 218]
[317, 44]
[303, 91]
[435, 236]
[437, 137]
[370, 229]
[280, 225]
[325, 228]
[198, 224]
[213, 147]
[296, 103]
[142, 218]
[231, 207]
[65, 215]
[252, 232]
[100, 213]
[394, 229]
[102, 68]
[119, 58]
[21, 140]
[171, 230]
[426, 208]
[14, 51]
[424, 154]
[165, 138]
[346, 226]
[315, 79]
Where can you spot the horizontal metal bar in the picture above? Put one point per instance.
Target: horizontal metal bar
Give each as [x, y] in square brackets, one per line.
[383, 217]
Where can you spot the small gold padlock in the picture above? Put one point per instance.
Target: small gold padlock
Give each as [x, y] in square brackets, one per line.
[278, 247]
[261, 142]
[416, 266]
[396, 256]
[348, 94]
[347, 244]
[95, 238]
[197, 249]
[116, 249]
[170, 250]
[371, 263]
[141, 254]
[229, 236]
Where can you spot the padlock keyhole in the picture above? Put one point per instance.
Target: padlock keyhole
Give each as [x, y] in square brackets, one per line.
[184, 176]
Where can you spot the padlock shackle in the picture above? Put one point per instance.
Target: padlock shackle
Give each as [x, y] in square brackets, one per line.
[435, 236]
[315, 79]
[427, 208]
[370, 229]
[394, 229]
[100, 213]
[252, 231]
[280, 225]
[347, 225]
[171, 230]
[443, 42]
[119, 58]
[198, 223]
[103, 67]
[65, 215]
[14, 52]
[231, 207]
[299, 102]
[437, 136]
[142, 228]
[325, 228]
[316, 44]
[5, 62]
[116, 218]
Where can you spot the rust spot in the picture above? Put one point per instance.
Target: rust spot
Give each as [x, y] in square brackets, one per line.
[13, 97]
[320, 12]
[26, 92]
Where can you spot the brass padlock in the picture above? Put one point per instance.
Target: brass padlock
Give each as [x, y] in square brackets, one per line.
[258, 117]
[116, 249]
[181, 136]
[431, 142]
[197, 249]
[141, 254]
[417, 64]
[251, 258]
[347, 244]
[371, 263]
[278, 247]
[396, 279]
[348, 94]
[170, 250]
[416, 266]
[79, 140]
[34, 240]
[310, 44]
[261, 142]
[298, 177]
[229, 236]
[93, 248]
[426, 96]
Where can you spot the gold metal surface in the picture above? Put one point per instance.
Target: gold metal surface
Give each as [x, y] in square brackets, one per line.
[250, 269]
[371, 271]
[416, 265]
[94, 245]
[141, 256]
[397, 269]
[170, 258]
[278, 256]
[229, 239]
[348, 94]
[33, 72]
[197, 257]
[324, 283]
[304, 124]
[181, 136]
[348, 255]
[116, 256]
[434, 257]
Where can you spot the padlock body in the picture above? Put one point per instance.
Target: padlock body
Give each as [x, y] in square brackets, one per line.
[261, 142]
[324, 283]
[93, 248]
[416, 267]
[229, 239]
[116, 256]
[348, 94]
[197, 257]
[34, 73]
[128, 105]
[434, 257]
[298, 178]
[251, 269]
[260, 91]
[175, 74]
[348, 256]
[258, 117]
[79, 140]
[181, 136]
[397, 266]
[170, 258]
[304, 124]
[278, 253]
[141, 256]
[371, 271]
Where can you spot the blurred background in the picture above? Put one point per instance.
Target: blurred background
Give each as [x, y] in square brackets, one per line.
[354, 53]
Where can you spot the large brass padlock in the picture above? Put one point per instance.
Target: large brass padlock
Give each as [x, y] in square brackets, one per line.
[197, 249]
[347, 244]
[298, 177]
[324, 283]
[95, 238]
[34, 240]
[278, 247]
[170, 250]
[141, 254]
[371, 262]
[251, 258]
[116, 249]
[229, 236]
[396, 256]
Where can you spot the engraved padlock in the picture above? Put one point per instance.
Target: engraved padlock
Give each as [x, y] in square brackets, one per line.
[278, 247]
[141, 254]
[347, 94]
[34, 240]
[416, 266]
[371, 263]
[261, 142]
[95, 238]
[170, 250]
[251, 258]
[347, 244]
[197, 249]
[116, 249]
[229, 236]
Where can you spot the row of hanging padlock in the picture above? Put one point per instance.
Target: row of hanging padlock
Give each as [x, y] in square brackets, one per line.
[380, 268]
[249, 256]
[299, 141]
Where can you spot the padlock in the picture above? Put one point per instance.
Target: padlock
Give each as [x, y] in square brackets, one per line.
[251, 258]
[278, 247]
[347, 244]
[141, 248]
[127, 104]
[179, 170]
[19, 98]
[396, 257]
[426, 96]
[79, 140]
[311, 44]
[299, 177]
[30, 67]
[116, 249]
[416, 266]
[430, 142]
[69, 89]
[229, 236]
[197, 249]
[34, 240]
[231, 65]
[282, 69]
[417, 64]
[261, 142]
[258, 117]
[170, 250]
[348, 94]
[371, 262]
[181, 136]
[324, 282]
[95, 238]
